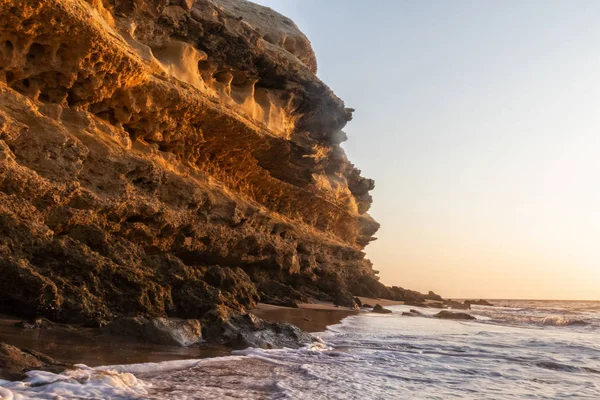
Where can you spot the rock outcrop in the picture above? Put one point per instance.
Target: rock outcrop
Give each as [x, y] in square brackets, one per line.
[166, 157]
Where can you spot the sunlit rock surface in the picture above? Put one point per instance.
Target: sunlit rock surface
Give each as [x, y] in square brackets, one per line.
[160, 158]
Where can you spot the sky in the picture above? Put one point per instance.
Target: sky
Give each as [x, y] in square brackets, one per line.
[479, 121]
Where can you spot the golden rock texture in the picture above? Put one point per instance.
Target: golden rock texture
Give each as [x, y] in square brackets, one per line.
[163, 157]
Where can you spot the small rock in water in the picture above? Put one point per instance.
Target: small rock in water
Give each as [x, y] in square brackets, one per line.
[413, 311]
[409, 314]
[452, 315]
[367, 305]
[479, 302]
[380, 310]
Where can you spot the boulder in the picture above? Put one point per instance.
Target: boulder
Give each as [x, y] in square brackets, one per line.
[247, 330]
[163, 331]
[444, 314]
[345, 299]
[367, 305]
[380, 310]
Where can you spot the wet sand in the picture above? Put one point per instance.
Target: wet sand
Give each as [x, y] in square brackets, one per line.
[79, 345]
[309, 317]
[314, 317]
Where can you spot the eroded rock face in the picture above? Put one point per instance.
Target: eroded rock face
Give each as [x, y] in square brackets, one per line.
[161, 158]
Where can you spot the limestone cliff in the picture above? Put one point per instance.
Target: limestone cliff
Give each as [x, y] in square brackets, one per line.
[163, 157]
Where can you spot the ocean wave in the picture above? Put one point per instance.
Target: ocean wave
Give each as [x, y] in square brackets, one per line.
[537, 320]
[555, 366]
[556, 320]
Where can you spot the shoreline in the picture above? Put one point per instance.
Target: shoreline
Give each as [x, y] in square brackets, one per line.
[89, 346]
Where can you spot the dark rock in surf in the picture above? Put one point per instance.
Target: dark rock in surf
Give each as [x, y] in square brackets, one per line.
[444, 314]
[380, 310]
[480, 302]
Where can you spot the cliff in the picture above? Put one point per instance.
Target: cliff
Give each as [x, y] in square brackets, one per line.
[163, 158]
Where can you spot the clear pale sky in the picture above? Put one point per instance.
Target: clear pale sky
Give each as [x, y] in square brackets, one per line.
[480, 123]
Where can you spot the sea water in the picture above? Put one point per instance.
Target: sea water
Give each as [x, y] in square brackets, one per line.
[514, 350]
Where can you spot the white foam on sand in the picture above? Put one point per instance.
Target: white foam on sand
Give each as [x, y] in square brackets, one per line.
[111, 382]
[163, 366]
[81, 383]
